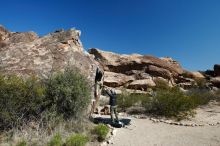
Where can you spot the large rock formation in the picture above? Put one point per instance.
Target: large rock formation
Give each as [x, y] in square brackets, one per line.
[25, 53]
[136, 71]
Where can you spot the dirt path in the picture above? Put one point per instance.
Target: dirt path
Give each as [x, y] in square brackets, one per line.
[143, 132]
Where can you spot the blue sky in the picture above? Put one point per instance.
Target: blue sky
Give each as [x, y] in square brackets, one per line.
[186, 30]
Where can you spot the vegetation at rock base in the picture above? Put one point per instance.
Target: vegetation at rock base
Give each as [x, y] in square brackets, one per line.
[126, 100]
[65, 94]
[101, 131]
[56, 140]
[20, 100]
[68, 93]
[41, 107]
[168, 101]
[22, 143]
[77, 140]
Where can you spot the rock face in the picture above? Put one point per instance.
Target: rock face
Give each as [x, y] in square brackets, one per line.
[195, 75]
[142, 84]
[217, 69]
[25, 53]
[116, 79]
[216, 81]
[136, 71]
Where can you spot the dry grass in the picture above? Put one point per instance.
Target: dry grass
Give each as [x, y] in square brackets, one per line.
[35, 134]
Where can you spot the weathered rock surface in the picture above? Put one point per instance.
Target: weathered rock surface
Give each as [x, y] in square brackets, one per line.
[159, 72]
[142, 84]
[216, 81]
[194, 75]
[122, 63]
[112, 79]
[24, 53]
[137, 69]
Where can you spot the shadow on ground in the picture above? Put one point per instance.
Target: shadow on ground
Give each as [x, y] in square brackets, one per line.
[101, 120]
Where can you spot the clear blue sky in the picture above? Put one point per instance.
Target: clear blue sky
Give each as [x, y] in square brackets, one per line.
[186, 30]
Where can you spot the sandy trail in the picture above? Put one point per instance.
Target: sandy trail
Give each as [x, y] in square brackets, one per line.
[143, 132]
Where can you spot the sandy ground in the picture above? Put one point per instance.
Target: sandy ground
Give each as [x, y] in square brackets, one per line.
[143, 132]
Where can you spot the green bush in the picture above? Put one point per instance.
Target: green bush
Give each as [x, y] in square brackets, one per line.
[69, 93]
[200, 96]
[77, 140]
[174, 103]
[55, 141]
[170, 103]
[126, 100]
[101, 131]
[64, 94]
[20, 100]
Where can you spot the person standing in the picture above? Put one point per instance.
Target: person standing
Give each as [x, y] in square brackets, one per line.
[113, 104]
[99, 79]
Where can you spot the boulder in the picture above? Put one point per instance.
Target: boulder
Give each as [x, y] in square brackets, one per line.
[209, 73]
[24, 37]
[215, 81]
[159, 72]
[112, 79]
[129, 64]
[122, 63]
[194, 75]
[142, 84]
[171, 61]
[217, 69]
[159, 80]
[25, 54]
[186, 85]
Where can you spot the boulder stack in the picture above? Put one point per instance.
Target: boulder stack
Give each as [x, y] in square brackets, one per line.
[136, 71]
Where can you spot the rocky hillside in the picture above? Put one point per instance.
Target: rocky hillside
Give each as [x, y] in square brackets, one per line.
[140, 72]
[25, 53]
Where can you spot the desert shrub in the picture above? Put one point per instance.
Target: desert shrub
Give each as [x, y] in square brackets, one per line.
[169, 103]
[55, 141]
[20, 100]
[133, 103]
[69, 93]
[101, 131]
[200, 96]
[64, 94]
[126, 100]
[22, 143]
[77, 140]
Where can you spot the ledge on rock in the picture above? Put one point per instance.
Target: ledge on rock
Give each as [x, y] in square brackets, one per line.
[142, 84]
